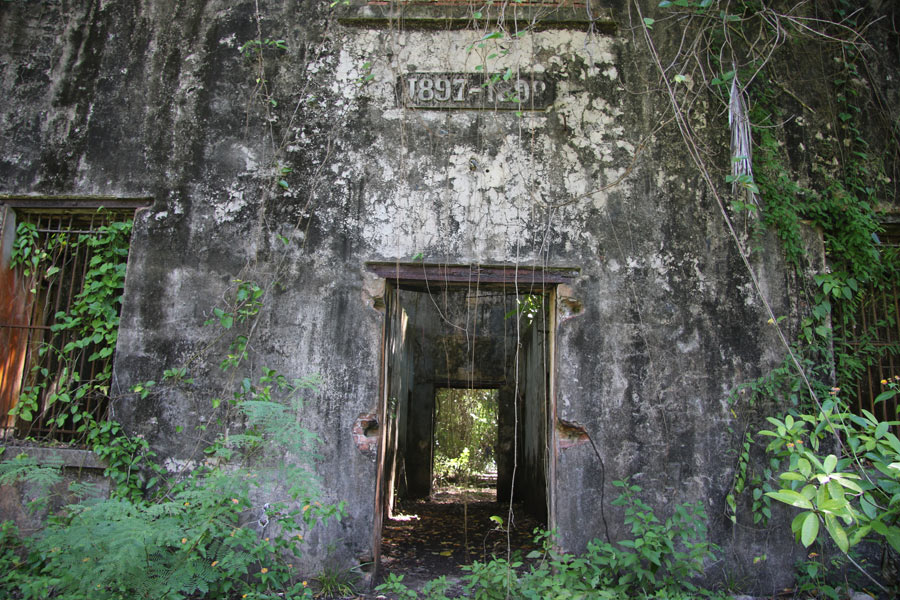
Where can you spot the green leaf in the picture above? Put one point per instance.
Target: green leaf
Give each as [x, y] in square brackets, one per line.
[887, 395]
[649, 22]
[844, 480]
[792, 498]
[837, 533]
[830, 463]
[225, 319]
[810, 529]
[867, 507]
[892, 441]
[837, 505]
[892, 535]
[859, 534]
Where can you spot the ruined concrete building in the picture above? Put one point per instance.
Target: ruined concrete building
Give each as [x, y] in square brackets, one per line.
[396, 178]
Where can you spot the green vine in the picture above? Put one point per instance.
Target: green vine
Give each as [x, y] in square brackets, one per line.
[89, 328]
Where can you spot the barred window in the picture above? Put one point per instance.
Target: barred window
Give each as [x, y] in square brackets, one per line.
[62, 276]
[874, 335]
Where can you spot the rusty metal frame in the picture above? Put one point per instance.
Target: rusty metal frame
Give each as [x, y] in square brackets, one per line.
[61, 204]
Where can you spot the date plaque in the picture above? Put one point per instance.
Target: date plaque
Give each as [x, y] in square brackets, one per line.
[475, 91]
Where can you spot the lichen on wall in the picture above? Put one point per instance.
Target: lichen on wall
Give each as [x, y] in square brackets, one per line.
[467, 172]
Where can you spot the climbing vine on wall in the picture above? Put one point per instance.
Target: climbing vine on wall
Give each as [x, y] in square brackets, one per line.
[734, 51]
[69, 382]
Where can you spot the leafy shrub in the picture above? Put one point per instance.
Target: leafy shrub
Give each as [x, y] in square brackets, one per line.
[850, 489]
[335, 581]
[662, 557]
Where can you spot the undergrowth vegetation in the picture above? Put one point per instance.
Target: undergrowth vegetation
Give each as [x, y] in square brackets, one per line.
[202, 532]
[659, 560]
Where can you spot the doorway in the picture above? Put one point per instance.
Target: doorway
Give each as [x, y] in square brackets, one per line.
[465, 444]
[477, 340]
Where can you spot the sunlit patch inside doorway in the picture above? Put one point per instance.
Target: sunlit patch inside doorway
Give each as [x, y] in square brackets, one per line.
[465, 445]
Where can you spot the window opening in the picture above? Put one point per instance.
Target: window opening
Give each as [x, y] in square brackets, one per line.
[875, 329]
[63, 275]
[464, 334]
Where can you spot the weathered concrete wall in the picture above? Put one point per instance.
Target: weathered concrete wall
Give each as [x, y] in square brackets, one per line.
[153, 98]
[28, 503]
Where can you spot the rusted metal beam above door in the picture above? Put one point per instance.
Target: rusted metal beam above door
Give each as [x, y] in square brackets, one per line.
[522, 278]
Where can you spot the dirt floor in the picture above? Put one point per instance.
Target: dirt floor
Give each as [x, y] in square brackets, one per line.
[427, 539]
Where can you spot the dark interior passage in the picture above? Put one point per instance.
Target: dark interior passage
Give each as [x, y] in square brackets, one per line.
[483, 351]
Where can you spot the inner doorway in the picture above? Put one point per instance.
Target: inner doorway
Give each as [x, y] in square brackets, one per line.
[465, 429]
[466, 330]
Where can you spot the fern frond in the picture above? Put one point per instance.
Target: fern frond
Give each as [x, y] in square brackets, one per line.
[27, 469]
